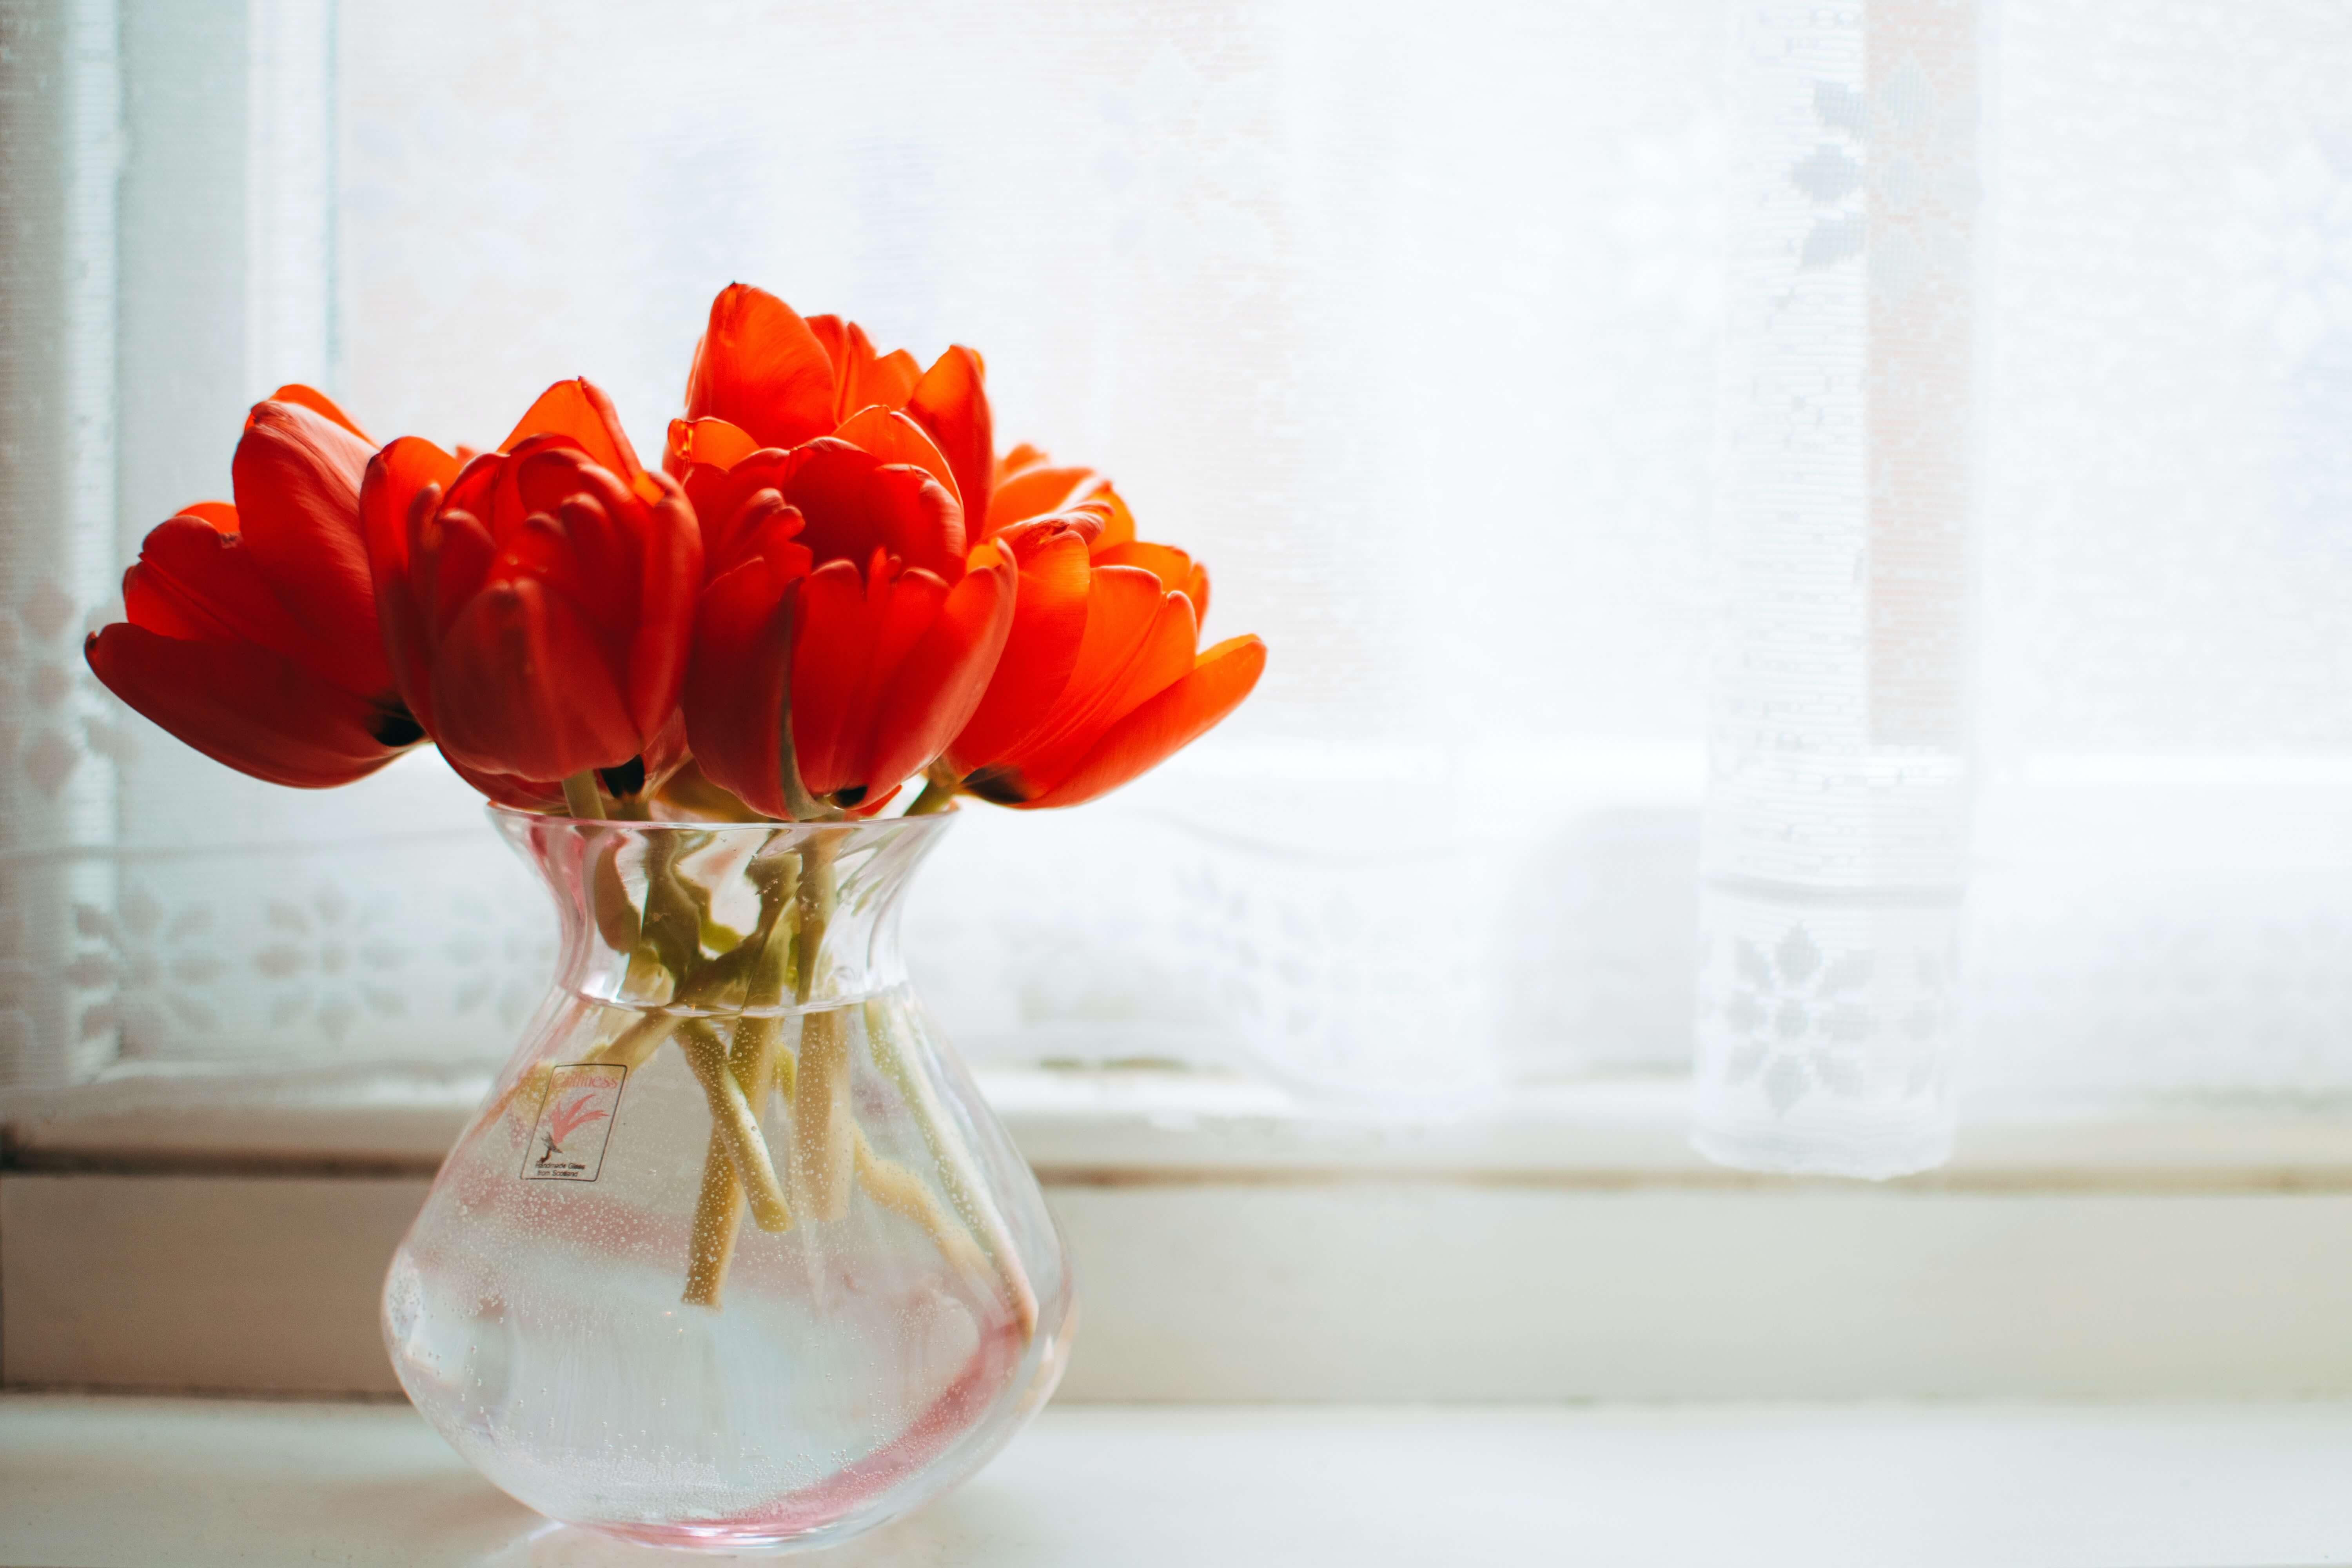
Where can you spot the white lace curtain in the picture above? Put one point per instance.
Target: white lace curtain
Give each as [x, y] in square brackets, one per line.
[1825, 529]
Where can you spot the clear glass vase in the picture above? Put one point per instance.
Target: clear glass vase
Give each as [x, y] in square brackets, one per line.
[734, 1257]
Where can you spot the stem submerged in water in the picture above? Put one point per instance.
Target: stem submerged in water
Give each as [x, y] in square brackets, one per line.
[782, 960]
[718, 1205]
[718, 1219]
[824, 1147]
[890, 1036]
[734, 1124]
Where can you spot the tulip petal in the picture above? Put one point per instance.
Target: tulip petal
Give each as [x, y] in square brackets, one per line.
[475, 489]
[1117, 522]
[909, 602]
[833, 665]
[540, 606]
[220, 516]
[580, 535]
[952, 404]
[1106, 689]
[388, 496]
[593, 556]
[454, 553]
[579, 410]
[853, 502]
[318, 402]
[296, 476]
[735, 686]
[705, 443]
[861, 377]
[1178, 573]
[891, 381]
[1022, 456]
[759, 367]
[670, 576]
[523, 794]
[932, 692]
[154, 601]
[664, 752]
[520, 685]
[1130, 635]
[1035, 492]
[507, 507]
[193, 580]
[1178, 716]
[832, 334]
[895, 438]
[1049, 620]
[1170, 564]
[249, 708]
[767, 527]
[734, 505]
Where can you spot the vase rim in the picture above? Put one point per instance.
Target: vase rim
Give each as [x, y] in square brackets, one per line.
[865, 826]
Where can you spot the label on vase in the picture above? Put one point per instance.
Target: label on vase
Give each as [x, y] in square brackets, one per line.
[574, 1121]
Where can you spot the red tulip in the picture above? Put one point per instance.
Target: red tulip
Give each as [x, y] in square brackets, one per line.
[845, 637]
[783, 381]
[763, 376]
[538, 601]
[1092, 687]
[252, 629]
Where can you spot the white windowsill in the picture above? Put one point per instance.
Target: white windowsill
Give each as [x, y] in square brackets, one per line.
[1152, 1126]
[92, 1483]
[1231, 1244]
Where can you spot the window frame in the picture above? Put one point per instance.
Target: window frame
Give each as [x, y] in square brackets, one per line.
[1566, 1242]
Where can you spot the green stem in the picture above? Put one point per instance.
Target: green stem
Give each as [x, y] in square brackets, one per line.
[899, 1190]
[938, 794]
[889, 1036]
[799, 805]
[719, 1207]
[816, 892]
[823, 1148]
[673, 925]
[717, 1218]
[734, 1123]
[582, 798]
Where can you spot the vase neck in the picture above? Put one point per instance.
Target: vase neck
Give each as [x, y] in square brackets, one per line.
[725, 918]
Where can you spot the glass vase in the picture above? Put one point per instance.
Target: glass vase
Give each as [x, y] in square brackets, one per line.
[734, 1257]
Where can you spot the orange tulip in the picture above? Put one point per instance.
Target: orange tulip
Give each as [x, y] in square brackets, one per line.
[1094, 689]
[252, 631]
[845, 637]
[1100, 682]
[1026, 483]
[1029, 485]
[538, 602]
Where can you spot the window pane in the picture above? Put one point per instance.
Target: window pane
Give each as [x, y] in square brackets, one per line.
[1406, 318]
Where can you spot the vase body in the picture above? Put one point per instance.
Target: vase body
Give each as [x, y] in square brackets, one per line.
[733, 1257]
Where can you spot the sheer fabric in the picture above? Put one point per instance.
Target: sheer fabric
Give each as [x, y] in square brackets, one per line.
[1452, 339]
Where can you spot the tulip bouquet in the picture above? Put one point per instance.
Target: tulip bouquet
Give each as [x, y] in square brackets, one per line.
[833, 598]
